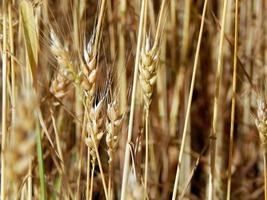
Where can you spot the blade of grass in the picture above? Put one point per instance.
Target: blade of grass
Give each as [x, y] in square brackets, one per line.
[41, 163]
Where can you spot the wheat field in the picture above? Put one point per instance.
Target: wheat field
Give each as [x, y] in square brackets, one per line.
[133, 99]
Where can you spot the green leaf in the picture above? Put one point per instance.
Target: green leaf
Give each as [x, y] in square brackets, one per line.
[41, 163]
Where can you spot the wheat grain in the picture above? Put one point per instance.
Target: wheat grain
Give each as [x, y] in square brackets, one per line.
[95, 129]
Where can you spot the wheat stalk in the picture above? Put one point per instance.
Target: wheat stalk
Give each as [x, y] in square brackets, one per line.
[181, 72]
[130, 128]
[121, 71]
[4, 103]
[233, 105]
[12, 65]
[215, 107]
[176, 183]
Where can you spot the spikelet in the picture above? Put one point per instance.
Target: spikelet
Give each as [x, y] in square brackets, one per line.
[59, 87]
[62, 56]
[261, 121]
[65, 73]
[89, 71]
[113, 126]
[95, 129]
[22, 146]
[148, 72]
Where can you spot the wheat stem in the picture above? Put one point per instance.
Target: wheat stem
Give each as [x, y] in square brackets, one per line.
[30, 181]
[88, 174]
[98, 27]
[81, 160]
[92, 181]
[175, 189]
[4, 103]
[12, 67]
[265, 174]
[215, 107]
[130, 128]
[233, 106]
[121, 71]
[160, 26]
[101, 169]
[146, 148]
[181, 73]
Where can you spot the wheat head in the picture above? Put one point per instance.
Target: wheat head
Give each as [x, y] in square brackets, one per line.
[95, 129]
[148, 72]
[113, 125]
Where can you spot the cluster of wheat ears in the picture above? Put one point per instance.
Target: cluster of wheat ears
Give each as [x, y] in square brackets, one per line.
[133, 99]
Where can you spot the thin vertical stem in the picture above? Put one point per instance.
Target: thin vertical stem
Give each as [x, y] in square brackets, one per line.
[175, 189]
[12, 65]
[88, 174]
[4, 103]
[233, 105]
[101, 169]
[121, 71]
[30, 180]
[130, 128]
[98, 26]
[265, 174]
[215, 107]
[146, 148]
[81, 160]
[92, 182]
[110, 181]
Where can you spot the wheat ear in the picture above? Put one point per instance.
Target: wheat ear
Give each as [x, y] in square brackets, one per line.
[65, 73]
[89, 70]
[147, 77]
[88, 79]
[95, 133]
